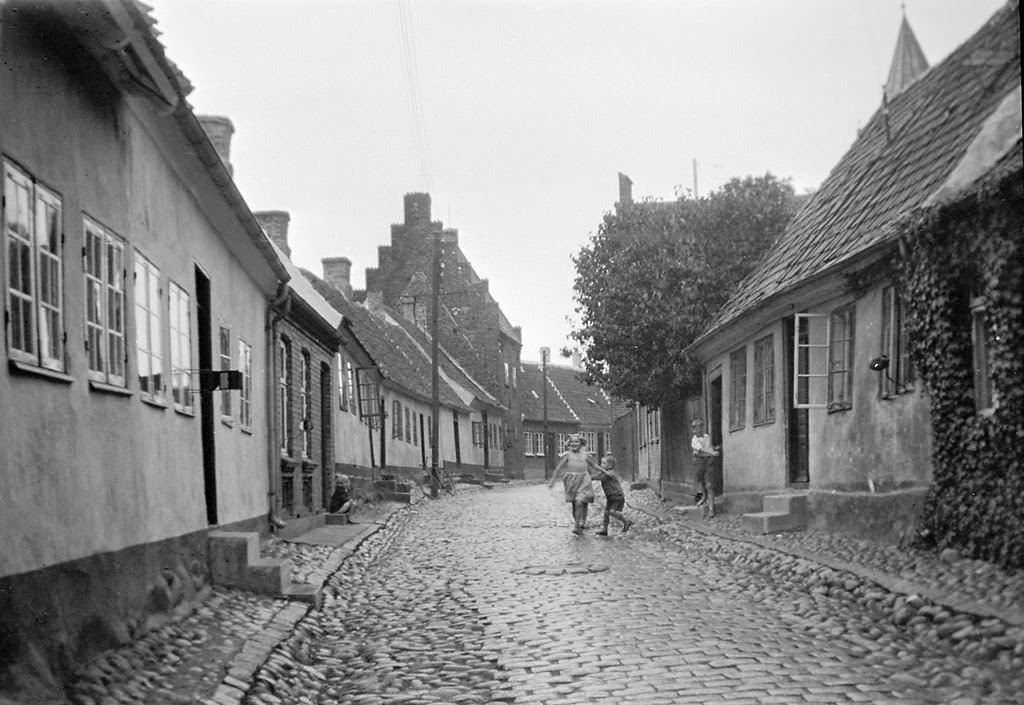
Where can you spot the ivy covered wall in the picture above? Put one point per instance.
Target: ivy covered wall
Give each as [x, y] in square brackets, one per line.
[951, 256]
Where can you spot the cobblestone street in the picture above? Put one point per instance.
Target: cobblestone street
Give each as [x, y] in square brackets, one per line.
[489, 598]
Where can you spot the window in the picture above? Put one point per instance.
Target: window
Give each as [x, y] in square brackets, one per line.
[104, 304]
[607, 443]
[562, 439]
[528, 443]
[148, 323]
[764, 380]
[245, 394]
[840, 359]
[430, 431]
[342, 384]
[351, 382]
[181, 348]
[478, 433]
[416, 430]
[738, 389]
[983, 396]
[284, 353]
[35, 296]
[225, 364]
[306, 404]
[408, 425]
[396, 419]
[896, 380]
[591, 441]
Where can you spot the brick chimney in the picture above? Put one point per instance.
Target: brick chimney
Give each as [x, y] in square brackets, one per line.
[625, 190]
[219, 129]
[337, 273]
[417, 208]
[577, 359]
[275, 225]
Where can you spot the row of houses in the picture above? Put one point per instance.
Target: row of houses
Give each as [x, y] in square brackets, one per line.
[809, 384]
[170, 375]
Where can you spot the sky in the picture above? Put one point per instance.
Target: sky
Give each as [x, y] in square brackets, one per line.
[517, 116]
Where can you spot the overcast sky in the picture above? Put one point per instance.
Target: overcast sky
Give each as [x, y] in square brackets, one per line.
[519, 115]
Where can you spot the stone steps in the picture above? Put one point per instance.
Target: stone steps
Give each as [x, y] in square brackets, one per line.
[781, 512]
[235, 562]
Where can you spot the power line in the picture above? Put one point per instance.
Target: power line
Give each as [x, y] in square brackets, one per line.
[415, 104]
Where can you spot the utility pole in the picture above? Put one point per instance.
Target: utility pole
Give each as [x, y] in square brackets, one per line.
[435, 306]
[544, 352]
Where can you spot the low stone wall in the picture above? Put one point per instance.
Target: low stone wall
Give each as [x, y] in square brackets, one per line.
[55, 620]
[889, 517]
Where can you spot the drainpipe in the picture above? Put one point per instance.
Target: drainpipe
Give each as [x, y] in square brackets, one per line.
[274, 314]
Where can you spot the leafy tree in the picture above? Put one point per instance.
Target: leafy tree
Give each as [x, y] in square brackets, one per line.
[653, 276]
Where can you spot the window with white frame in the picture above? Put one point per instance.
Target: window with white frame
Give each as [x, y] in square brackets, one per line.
[181, 347]
[342, 383]
[408, 425]
[225, 364]
[984, 399]
[284, 353]
[148, 325]
[738, 389]
[607, 442]
[478, 433]
[764, 380]
[590, 437]
[396, 419]
[306, 404]
[351, 382]
[562, 439]
[897, 378]
[245, 393]
[33, 230]
[104, 270]
[840, 359]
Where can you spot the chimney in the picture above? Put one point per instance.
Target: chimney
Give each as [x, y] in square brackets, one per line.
[219, 129]
[577, 359]
[337, 273]
[417, 208]
[625, 190]
[275, 225]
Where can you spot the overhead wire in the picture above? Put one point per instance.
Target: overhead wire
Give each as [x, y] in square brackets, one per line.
[414, 99]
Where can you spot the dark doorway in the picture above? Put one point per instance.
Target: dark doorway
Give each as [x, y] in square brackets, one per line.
[206, 420]
[326, 431]
[458, 448]
[423, 444]
[798, 434]
[714, 426]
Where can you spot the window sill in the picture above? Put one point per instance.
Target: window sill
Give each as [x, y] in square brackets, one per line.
[228, 421]
[309, 465]
[288, 464]
[36, 371]
[766, 422]
[156, 403]
[733, 429]
[836, 407]
[105, 388]
[247, 430]
[185, 411]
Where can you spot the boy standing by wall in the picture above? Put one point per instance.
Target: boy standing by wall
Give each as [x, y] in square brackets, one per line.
[703, 452]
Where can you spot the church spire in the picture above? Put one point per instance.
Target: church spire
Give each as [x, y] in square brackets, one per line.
[908, 60]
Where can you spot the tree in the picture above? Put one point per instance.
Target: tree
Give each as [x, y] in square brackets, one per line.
[651, 279]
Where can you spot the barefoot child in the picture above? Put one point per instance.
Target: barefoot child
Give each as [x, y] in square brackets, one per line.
[576, 480]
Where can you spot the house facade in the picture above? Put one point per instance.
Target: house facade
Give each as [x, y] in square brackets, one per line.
[131, 270]
[471, 325]
[807, 377]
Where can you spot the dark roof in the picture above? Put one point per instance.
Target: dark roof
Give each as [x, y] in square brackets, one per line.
[400, 359]
[896, 162]
[569, 399]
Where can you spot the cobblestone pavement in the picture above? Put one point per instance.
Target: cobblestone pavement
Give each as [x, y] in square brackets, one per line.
[488, 598]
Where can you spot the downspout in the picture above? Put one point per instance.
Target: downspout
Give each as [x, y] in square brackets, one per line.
[274, 315]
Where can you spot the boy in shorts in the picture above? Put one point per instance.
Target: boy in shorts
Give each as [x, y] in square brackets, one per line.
[614, 497]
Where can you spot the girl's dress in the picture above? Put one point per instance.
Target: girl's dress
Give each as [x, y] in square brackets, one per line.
[576, 480]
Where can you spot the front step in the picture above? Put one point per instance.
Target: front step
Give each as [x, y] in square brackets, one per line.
[782, 512]
[235, 562]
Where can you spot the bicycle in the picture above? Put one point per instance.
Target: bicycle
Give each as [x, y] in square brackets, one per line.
[445, 483]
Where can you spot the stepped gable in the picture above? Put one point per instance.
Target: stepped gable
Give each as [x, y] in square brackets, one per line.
[904, 153]
[399, 358]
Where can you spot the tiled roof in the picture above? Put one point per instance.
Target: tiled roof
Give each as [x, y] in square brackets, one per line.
[569, 399]
[896, 162]
[397, 355]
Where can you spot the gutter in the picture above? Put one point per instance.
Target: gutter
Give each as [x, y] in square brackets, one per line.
[274, 314]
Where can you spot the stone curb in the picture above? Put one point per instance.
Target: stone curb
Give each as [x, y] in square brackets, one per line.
[256, 650]
[891, 583]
